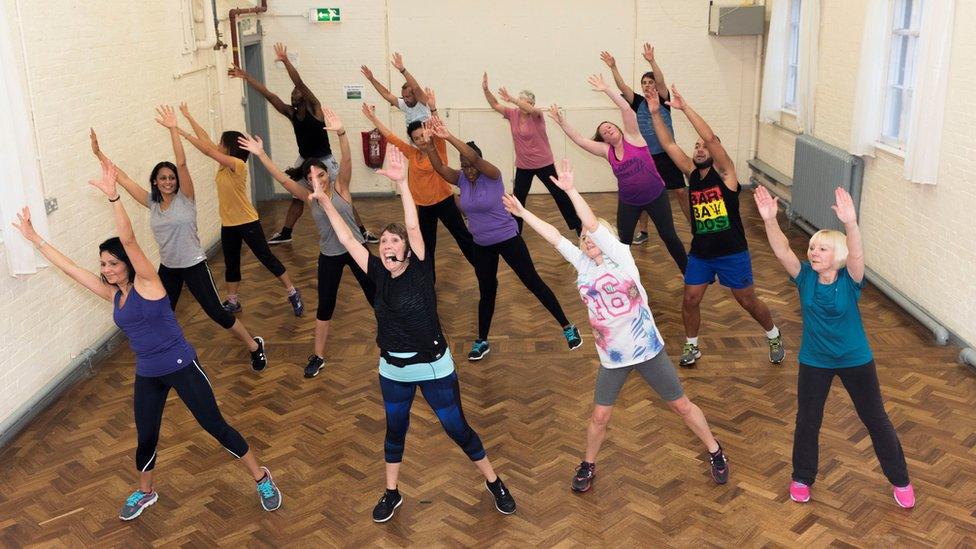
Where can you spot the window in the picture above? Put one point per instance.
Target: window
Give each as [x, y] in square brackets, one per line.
[793, 57]
[905, 22]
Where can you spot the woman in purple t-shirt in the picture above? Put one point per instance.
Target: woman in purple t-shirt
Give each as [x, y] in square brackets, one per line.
[164, 358]
[640, 187]
[495, 234]
[533, 155]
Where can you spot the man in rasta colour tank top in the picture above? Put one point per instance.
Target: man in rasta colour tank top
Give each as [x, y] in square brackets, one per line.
[718, 245]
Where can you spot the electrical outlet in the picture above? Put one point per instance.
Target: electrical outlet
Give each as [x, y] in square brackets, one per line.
[50, 205]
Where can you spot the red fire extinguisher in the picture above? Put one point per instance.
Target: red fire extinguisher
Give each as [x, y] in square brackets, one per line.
[374, 149]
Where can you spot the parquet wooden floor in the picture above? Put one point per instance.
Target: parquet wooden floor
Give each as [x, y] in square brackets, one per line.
[63, 480]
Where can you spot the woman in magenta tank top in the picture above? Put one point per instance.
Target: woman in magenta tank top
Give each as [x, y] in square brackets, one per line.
[639, 186]
[164, 358]
[495, 234]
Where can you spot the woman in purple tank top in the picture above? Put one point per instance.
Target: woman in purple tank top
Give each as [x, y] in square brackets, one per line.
[164, 359]
[495, 234]
[640, 187]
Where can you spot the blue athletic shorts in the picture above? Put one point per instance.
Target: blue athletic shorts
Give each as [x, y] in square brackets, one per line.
[734, 271]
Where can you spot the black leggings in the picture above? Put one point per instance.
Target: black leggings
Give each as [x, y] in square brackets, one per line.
[251, 233]
[659, 210]
[861, 382]
[330, 274]
[197, 394]
[516, 254]
[447, 212]
[523, 183]
[201, 284]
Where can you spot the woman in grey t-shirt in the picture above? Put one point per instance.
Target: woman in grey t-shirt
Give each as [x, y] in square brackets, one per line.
[173, 220]
[333, 257]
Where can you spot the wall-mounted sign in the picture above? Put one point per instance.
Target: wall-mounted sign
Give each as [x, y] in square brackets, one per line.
[353, 91]
[248, 26]
[324, 15]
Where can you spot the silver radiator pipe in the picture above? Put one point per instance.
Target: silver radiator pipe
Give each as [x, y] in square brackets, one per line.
[938, 330]
[968, 357]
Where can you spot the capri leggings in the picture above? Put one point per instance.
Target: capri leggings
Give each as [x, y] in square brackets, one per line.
[330, 274]
[231, 239]
[195, 391]
[199, 280]
[658, 372]
[659, 210]
[444, 397]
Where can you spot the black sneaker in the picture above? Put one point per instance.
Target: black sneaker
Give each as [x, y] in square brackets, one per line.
[573, 338]
[387, 505]
[504, 501]
[232, 307]
[720, 466]
[279, 238]
[259, 360]
[370, 237]
[583, 479]
[297, 304]
[314, 366]
[479, 350]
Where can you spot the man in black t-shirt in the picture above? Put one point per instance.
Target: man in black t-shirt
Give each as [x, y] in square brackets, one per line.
[718, 245]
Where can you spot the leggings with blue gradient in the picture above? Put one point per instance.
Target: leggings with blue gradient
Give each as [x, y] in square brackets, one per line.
[444, 397]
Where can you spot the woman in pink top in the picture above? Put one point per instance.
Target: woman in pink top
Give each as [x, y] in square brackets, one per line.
[640, 187]
[533, 156]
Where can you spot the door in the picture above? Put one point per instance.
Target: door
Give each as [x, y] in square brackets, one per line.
[256, 118]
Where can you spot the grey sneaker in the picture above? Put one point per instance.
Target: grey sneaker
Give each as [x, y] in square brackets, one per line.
[269, 492]
[776, 351]
[232, 308]
[370, 237]
[297, 305]
[136, 503]
[279, 238]
[689, 354]
[639, 238]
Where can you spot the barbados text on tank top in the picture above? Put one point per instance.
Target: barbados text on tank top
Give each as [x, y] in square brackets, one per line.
[716, 224]
[313, 140]
[638, 182]
[154, 335]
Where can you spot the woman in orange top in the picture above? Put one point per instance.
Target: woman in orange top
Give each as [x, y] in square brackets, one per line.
[239, 221]
[433, 195]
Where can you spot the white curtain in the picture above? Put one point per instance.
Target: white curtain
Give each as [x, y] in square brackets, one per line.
[869, 94]
[806, 81]
[924, 138]
[20, 178]
[774, 67]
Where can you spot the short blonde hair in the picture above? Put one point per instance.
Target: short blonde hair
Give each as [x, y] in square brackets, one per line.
[835, 240]
[605, 223]
[528, 95]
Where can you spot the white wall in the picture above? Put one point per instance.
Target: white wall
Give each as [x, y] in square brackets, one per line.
[107, 64]
[918, 237]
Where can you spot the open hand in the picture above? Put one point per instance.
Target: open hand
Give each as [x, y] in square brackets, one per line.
[166, 116]
[677, 101]
[844, 207]
[596, 80]
[431, 100]
[96, 150]
[332, 121]
[236, 72]
[369, 111]
[106, 183]
[608, 59]
[318, 193]
[503, 93]
[765, 203]
[366, 72]
[512, 205]
[252, 144]
[438, 127]
[398, 61]
[564, 176]
[556, 114]
[648, 52]
[396, 166]
[26, 228]
[184, 109]
[653, 101]
[281, 52]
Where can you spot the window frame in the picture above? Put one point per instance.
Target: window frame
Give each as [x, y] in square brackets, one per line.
[792, 60]
[905, 53]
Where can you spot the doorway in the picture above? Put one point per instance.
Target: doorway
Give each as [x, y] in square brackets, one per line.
[256, 118]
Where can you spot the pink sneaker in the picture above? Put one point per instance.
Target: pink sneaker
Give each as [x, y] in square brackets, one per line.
[799, 492]
[904, 497]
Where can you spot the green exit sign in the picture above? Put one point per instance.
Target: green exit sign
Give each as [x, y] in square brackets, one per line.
[324, 15]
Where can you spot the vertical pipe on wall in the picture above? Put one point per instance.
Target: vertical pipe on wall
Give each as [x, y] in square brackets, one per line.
[757, 98]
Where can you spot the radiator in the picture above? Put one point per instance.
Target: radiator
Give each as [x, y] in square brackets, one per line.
[818, 169]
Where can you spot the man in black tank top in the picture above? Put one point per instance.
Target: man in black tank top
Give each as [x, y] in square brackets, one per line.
[308, 122]
[718, 245]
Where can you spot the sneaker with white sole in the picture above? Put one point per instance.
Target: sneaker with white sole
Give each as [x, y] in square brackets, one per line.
[689, 354]
[269, 492]
[479, 349]
[387, 505]
[136, 503]
[370, 237]
[504, 501]
[279, 238]
[904, 496]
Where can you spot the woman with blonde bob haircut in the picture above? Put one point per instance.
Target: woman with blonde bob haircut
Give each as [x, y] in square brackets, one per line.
[834, 343]
[623, 327]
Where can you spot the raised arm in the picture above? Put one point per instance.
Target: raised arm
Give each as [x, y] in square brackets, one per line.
[138, 193]
[492, 101]
[281, 54]
[720, 158]
[766, 204]
[167, 119]
[593, 147]
[522, 104]
[146, 279]
[847, 214]
[418, 91]
[429, 147]
[358, 252]
[664, 136]
[84, 277]
[626, 90]
[565, 180]
[659, 83]
[627, 113]
[201, 140]
[276, 102]
[334, 124]
[380, 88]
[255, 146]
[396, 171]
[549, 233]
[467, 153]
